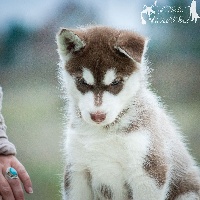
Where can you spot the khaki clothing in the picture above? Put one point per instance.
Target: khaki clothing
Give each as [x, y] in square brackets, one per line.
[6, 148]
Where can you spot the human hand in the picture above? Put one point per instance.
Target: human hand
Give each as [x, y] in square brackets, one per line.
[11, 189]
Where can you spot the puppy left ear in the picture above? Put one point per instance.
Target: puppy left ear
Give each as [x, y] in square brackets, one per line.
[131, 45]
[69, 41]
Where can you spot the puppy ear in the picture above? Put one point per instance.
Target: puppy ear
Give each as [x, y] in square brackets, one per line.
[68, 41]
[131, 45]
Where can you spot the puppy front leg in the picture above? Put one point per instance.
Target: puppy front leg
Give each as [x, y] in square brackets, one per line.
[189, 196]
[144, 188]
[77, 185]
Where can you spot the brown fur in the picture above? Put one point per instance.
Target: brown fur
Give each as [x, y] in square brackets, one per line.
[128, 191]
[185, 179]
[154, 163]
[156, 168]
[180, 187]
[67, 178]
[106, 192]
[127, 41]
[105, 40]
[98, 99]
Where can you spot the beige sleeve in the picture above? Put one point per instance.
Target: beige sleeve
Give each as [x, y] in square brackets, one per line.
[6, 148]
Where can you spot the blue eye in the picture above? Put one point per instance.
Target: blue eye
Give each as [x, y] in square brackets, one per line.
[117, 81]
[81, 81]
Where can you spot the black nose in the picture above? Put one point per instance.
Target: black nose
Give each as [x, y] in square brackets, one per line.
[98, 117]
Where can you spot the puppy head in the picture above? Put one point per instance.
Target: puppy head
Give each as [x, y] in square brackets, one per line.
[101, 70]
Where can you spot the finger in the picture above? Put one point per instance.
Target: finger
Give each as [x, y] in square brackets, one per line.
[5, 189]
[1, 197]
[24, 177]
[16, 187]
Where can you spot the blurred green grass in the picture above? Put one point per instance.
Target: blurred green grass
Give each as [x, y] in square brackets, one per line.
[34, 124]
[187, 117]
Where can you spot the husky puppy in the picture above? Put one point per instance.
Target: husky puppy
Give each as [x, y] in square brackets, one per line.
[120, 142]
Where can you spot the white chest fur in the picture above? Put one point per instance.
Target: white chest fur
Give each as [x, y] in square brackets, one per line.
[108, 147]
[113, 160]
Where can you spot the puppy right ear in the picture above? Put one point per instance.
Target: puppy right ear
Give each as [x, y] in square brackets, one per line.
[131, 45]
[68, 42]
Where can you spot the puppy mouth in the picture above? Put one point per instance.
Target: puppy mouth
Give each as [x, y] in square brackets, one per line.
[98, 117]
[101, 118]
